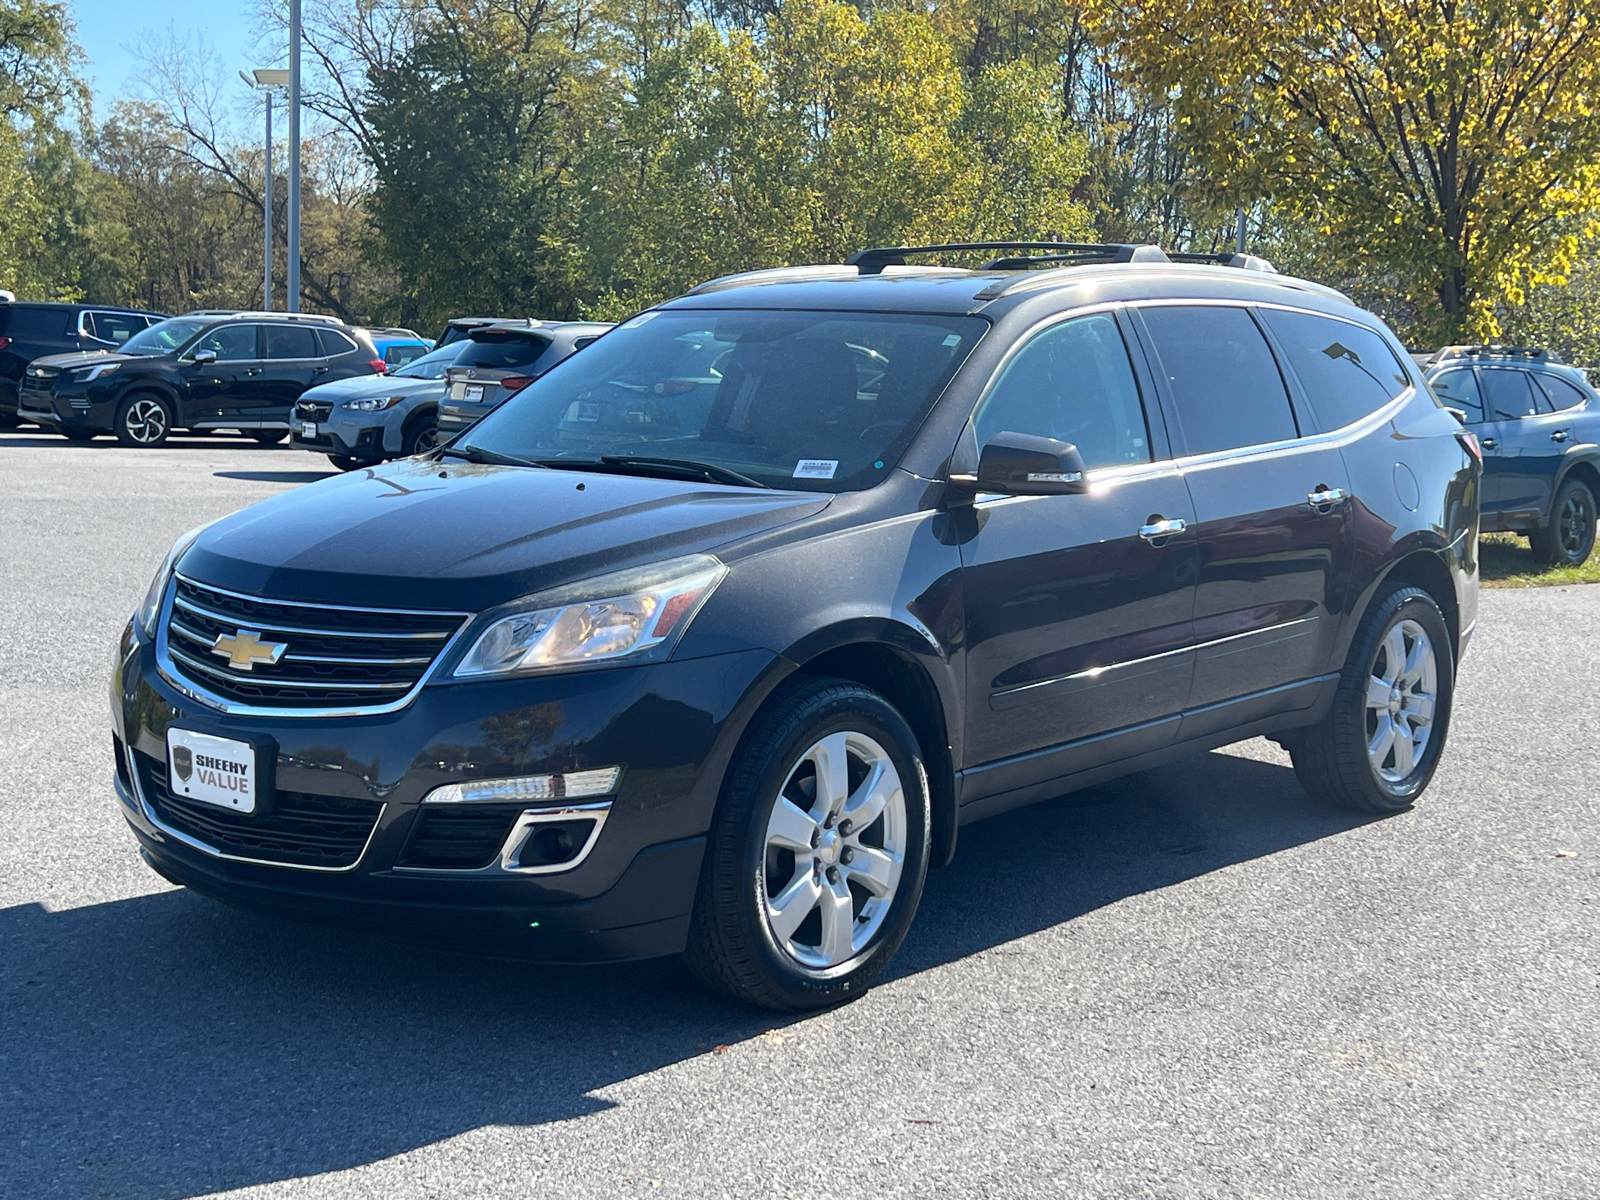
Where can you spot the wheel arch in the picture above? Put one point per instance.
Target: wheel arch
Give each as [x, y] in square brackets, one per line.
[153, 387]
[1584, 466]
[1426, 569]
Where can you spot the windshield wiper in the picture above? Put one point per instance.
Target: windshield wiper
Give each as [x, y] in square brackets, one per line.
[489, 458]
[681, 467]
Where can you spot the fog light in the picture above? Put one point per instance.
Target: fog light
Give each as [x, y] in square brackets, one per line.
[574, 785]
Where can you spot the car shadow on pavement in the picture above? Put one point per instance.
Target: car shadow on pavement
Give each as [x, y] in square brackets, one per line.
[276, 476]
[167, 1046]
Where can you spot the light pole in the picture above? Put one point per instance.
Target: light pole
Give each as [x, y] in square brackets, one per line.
[292, 298]
[267, 80]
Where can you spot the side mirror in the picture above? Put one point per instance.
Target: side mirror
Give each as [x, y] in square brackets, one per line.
[1024, 465]
[204, 358]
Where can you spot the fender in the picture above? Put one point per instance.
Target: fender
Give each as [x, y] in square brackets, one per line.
[1581, 454]
[420, 413]
[161, 388]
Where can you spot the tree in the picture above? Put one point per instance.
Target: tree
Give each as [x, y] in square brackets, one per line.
[1449, 144]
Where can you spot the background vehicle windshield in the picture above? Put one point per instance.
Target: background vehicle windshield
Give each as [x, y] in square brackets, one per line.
[163, 337]
[432, 364]
[818, 401]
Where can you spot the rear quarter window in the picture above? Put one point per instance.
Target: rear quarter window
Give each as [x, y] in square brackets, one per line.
[334, 343]
[1348, 371]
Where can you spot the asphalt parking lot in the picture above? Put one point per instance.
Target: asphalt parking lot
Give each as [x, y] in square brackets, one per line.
[1190, 983]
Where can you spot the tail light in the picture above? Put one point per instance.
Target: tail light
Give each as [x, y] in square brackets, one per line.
[4, 342]
[516, 383]
[379, 367]
[1470, 441]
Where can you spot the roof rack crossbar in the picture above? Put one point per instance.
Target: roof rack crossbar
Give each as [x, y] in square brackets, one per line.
[1223, 258]
[873, 261]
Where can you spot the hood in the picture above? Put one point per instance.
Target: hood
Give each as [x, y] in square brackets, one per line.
[361, 386]
[453, 535]
[81, 358]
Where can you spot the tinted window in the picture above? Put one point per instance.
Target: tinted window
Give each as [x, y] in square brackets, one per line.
[1563, 395]
[399, 356]
[1222, 377]
[1074, 383]
[1459, 389]
[819, 401]
[335, 343]
[116, 328]
[502, 353]
[1509, 393]
[231, 343]
[291, 341]
[28, 321]
[433, 364]
[1347, 371]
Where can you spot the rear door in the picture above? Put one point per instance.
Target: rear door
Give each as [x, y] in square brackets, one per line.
[293, 359]
[1520, 453]
[1273, 513]
[1078, 627]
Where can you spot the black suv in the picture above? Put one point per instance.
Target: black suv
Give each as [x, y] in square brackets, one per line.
[1538, 421]
[29, 331]
[710, 639]
[235, 370]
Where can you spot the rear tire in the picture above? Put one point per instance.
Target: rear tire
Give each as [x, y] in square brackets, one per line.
[1377, 748]
[802, 905]
[143, 420]
[1569, 538]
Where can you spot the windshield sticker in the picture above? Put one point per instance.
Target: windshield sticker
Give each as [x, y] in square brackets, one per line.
[815, 468]
[953, 340]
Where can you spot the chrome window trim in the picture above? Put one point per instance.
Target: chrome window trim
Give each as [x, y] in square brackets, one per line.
[148, 812]
[198, 692]
[505, 865]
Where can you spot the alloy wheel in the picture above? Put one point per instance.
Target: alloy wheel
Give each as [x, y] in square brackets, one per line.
[146, 422]
[426, 440]
[1572, 524]
[834, 850]
[1402, 694]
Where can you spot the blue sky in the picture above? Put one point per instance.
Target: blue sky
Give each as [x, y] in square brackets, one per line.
[109, 29]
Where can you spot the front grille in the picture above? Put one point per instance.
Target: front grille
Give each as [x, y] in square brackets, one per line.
[312, 410]
[344, 657]
[34, 396]
[462, 837]
[300, 829]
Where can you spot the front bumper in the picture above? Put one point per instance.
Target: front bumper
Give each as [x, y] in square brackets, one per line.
[66, 406]
[671, 727]
[348, 437]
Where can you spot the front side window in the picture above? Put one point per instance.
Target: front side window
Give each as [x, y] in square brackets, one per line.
[291, 341]
[818, 401]
[1510, 393]
[230, 343]
[1459, 389]
[1348, 371]
[1074, 383]
[1224, 383]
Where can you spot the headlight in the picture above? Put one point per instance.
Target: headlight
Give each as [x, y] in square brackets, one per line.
[150, 609]
[637, 614]
[89, 374]
[375, 404]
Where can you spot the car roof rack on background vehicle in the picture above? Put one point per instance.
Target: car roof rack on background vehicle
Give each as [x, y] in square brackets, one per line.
[873, 261]
[1224, 258]
[1529, 353]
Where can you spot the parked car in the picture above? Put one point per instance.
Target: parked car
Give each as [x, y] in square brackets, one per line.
[711, 638]
[505, 358]
[31, 330]
[240, 370]
[1538, 421]
[397, 347]
[361, 421]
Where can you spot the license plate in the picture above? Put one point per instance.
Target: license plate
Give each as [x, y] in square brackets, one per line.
[308, 429]
[214, 770]
[474, 392]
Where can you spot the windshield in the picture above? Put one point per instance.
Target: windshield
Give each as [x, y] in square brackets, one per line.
[163, 337]
[817, 401]
[432, 364]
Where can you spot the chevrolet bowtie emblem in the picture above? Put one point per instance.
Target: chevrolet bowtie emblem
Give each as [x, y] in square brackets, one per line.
[245, 648]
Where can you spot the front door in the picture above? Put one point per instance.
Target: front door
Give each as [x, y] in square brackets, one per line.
[1273, 515]
[219, 390]
[1078, 626]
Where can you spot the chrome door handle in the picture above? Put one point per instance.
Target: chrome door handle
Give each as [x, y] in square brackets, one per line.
[1559, 435]
[1162, 529]
[1488, 443]
[253, 371]
[1326, 498]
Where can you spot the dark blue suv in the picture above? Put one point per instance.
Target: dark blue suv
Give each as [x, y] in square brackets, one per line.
[1538, 421]
[710, 639]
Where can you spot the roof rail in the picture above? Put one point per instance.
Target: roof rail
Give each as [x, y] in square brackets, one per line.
[1245, 262]
[873, 261]
[1532, 353]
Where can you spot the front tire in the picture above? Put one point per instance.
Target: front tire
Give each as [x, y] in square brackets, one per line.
[268, 437]
[143, 420]
[816, 858]
[1377, 748]
[421, 437]
[1569, 538]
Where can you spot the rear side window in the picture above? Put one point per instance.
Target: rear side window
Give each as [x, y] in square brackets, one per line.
[502, 353]
[335, 343]
[230, 343]
[291, 341]
[1510, 393]
[1222, 378]
[1073, 382]
[115, 328]
[1348, 371]
[1459, 389]
[28, 321]
[1563, 395]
